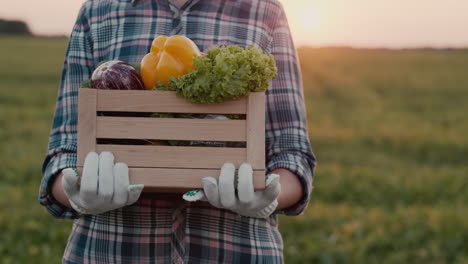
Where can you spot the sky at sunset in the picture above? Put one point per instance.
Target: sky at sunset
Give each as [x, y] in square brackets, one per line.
[359, 23]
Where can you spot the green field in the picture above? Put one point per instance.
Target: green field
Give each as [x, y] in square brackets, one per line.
[389, 128]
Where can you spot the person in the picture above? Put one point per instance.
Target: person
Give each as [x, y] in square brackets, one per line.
[124, 225]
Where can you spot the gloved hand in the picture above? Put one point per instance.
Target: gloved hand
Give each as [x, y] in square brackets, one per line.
[102, 187]
[246, 202]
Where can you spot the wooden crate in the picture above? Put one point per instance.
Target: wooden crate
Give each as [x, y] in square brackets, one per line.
[171, 168]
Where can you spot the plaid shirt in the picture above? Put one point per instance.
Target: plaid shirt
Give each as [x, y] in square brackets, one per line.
[124, 30]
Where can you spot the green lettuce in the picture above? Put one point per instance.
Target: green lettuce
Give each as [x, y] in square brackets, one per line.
[225, 73]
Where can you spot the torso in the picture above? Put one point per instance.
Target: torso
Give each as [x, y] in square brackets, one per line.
[125, 32]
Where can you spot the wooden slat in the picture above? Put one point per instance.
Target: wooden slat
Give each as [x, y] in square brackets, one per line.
[171, 128]
[86, 123]
[179, 180]
[256, 130]
[162, 102]
[175, 157]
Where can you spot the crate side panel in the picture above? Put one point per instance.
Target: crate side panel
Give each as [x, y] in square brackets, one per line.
[256, 130]
[86, 123]
[259, 179]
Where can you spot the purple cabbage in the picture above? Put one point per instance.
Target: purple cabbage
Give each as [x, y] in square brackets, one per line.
[116, 75]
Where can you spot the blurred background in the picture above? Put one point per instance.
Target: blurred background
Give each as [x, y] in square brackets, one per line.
[386, 86]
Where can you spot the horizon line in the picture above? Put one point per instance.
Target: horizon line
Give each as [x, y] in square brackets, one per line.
[299, 46]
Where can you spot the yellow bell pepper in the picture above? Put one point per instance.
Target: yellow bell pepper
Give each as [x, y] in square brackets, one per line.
[169, 56]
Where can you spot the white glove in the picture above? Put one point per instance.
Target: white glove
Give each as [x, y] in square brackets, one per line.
[246, 201]
[102, 187]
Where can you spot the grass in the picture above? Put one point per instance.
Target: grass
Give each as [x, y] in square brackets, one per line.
[30, 75]
[388, 128]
